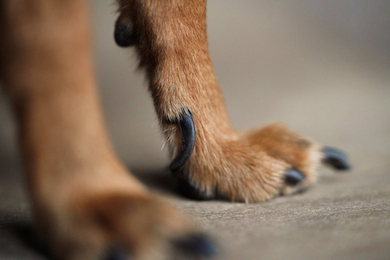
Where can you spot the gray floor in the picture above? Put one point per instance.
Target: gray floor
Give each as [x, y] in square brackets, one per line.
[320, 67]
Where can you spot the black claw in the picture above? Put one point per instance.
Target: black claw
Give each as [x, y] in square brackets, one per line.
[187, 129]
[336, 158]
[115, 254]
[124, 36]
[293, 176]
[197, 244]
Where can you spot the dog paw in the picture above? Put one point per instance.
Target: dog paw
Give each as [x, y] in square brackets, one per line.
[254, 166]
[121, 225]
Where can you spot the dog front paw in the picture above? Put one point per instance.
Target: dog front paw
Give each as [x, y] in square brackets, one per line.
[254, 166]
[121, 225]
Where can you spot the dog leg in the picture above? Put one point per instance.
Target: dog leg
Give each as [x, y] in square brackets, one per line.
[171, 40]
[85, 202]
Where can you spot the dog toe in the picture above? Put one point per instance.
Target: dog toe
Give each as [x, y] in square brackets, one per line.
[123, 226]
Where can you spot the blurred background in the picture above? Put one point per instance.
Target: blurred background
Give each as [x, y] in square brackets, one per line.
[322, 67]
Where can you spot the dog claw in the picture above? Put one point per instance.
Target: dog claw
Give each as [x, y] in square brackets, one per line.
[293, 176]
[124, 36]
[114, 254]
[336, 158]
[187, 129]
[197, 244]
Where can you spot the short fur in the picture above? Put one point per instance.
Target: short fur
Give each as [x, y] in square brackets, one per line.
[85, 201]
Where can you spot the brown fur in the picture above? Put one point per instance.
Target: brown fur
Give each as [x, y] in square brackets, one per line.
[84, 199]
[239, 167]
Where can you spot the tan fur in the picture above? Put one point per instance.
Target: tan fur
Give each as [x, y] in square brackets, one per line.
[84, 199]
[74, 177]
[239, 167]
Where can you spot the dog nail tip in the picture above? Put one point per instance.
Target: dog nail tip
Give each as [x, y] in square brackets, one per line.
[335, 158]
[198, 244]
[114, 254]
[123, 36]
[293, 176]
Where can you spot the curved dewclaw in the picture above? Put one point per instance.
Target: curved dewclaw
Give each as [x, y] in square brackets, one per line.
[187, 129]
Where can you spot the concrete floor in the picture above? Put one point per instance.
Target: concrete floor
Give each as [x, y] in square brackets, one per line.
[276, 62]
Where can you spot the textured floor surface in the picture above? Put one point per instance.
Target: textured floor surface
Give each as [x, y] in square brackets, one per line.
[281, 62]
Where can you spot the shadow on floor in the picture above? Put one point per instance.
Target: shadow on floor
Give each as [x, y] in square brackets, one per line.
[159, 179]
[18, 239]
